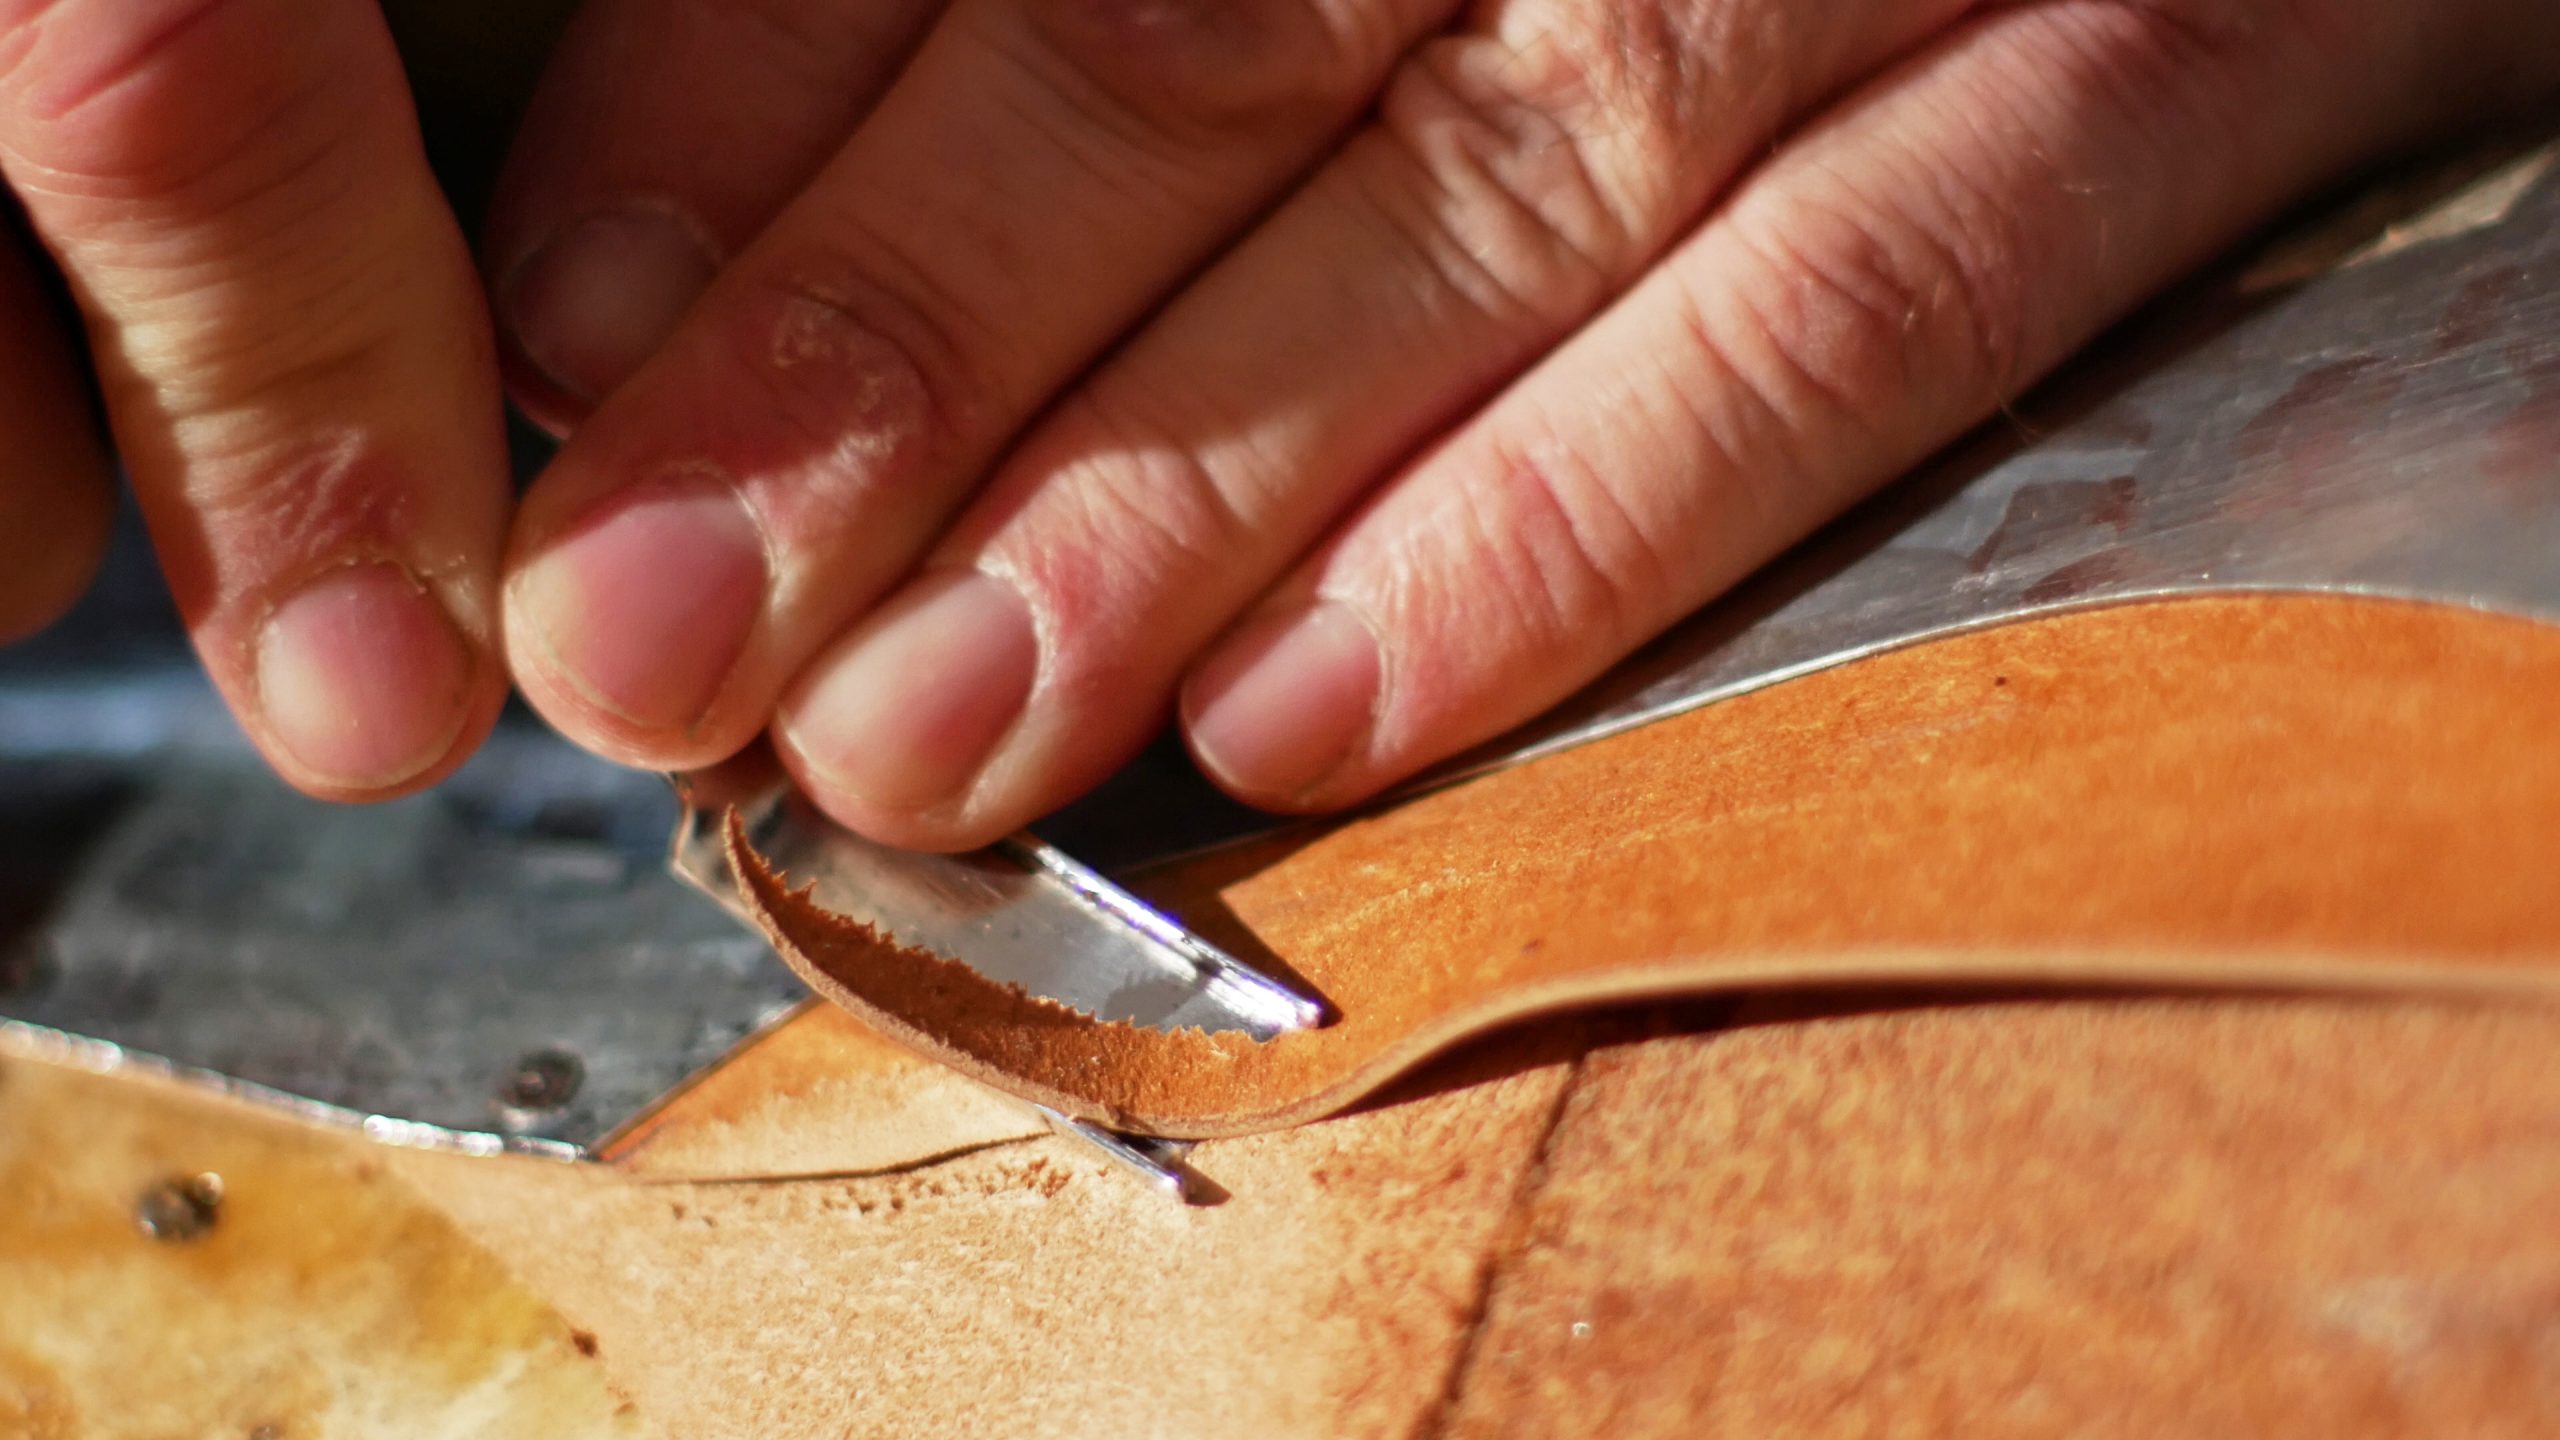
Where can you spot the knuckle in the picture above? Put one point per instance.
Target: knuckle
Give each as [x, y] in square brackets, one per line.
[1670, 68]
[1562, 156]
[1511, 210]
[1865, 309]
[1206, 70]
[1544, 538]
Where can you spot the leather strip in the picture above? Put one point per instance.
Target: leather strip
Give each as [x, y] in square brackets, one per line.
[2268, 791]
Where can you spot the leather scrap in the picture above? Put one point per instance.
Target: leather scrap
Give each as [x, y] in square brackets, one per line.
[2291, 792]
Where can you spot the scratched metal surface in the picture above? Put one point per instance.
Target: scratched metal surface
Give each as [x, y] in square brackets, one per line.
[503, 963]
[506, 962]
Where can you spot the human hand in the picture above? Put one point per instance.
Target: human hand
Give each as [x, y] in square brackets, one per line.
[287, 331]
[1371, 373]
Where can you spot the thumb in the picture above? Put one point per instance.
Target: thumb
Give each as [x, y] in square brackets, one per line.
[293, 355]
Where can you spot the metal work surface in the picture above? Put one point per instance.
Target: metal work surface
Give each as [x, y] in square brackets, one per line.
[507, 961]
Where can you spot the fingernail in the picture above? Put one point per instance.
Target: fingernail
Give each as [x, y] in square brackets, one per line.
[906, 713]
[646, 605]
[1281, 706]
[598, 298]
[362, 679]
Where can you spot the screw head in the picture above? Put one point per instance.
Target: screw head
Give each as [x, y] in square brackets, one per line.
[179, 1209]
[543, 1079]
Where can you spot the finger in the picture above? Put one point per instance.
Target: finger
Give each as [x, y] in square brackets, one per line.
[1038, 176]
[1946, 234]
[664, 135]
[57, 494]
[1517, 175]
[294, 365]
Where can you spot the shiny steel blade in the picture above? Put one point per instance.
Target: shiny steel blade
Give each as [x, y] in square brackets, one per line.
[1020, 911]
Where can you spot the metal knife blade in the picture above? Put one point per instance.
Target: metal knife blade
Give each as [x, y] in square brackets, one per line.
[1021, 911]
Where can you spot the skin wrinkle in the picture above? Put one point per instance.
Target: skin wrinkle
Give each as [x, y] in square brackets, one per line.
[1725, 499]
[1607, 530]
[1114, 572]
[318, 511]
[1675, 57]
[1751, 452]
[1565, 576]
[1807, 341]
[1409, 585]
[60, 98]
[1461, 129]
[165, 297]
[1135, 168]
[1983, 251]
[1148, 510]
[283, 325]
[219, 429]
[337, 345]
[1121, 415]
[1455, 580]
[102, 199]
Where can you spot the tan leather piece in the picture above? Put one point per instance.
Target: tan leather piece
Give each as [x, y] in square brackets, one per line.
[2251, 791]
[2316, 1218]
[2224, 1215]
[819, 1093]
[327, 1298]
[1033, 1290]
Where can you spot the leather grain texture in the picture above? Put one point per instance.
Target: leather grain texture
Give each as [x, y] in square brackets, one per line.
[2278, 791]
[2083, 1216]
